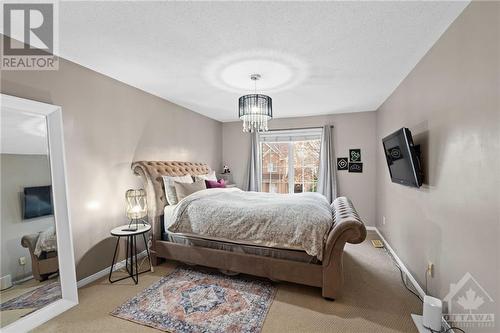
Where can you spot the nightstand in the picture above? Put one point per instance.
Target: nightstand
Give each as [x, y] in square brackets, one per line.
[228, 177]
[126, 231]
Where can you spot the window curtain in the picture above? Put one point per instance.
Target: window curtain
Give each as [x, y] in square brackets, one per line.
[327, 179]
[254, 163]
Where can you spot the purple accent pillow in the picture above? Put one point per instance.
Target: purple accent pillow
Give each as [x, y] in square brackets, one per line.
[215, 184]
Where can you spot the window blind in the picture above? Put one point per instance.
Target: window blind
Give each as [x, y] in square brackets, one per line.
[291, 135]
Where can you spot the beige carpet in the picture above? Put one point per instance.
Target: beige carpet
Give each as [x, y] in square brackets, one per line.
[374, 300]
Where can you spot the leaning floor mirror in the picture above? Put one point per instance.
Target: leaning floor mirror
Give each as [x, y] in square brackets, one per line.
[37, 276]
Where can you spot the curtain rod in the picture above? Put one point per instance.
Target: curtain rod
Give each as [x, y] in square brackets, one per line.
[297, 128]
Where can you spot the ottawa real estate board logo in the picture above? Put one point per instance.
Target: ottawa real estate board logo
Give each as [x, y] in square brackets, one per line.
[29, 36]
[469, 305]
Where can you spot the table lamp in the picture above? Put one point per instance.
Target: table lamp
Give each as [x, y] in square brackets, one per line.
[137, 208]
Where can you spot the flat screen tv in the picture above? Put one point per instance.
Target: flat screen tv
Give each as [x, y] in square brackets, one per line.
[403, 158]
[37, 202]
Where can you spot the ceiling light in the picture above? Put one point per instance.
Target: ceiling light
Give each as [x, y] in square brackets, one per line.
[255, 109]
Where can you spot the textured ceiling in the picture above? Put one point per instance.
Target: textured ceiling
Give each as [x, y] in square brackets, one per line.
[315, 58]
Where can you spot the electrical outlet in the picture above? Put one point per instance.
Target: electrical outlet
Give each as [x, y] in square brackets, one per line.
[383, 220]
[22, 261]
[430, 269]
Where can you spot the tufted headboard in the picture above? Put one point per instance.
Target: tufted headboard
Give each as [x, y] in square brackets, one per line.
[152, 172]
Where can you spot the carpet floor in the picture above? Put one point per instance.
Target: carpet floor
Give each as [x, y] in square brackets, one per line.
[10, 316]
[374, 300]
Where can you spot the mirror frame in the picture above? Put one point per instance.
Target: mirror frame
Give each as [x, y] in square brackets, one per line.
[66, 258]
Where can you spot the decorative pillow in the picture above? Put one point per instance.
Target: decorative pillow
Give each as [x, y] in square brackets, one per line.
[215, 184]
[47, 241]
[208, 176]
[185, 189]
[170, 192]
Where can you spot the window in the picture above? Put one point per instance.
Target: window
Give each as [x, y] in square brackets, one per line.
[290, 160]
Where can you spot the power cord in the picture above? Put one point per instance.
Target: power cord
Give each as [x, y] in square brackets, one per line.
[447, 330]
[123, 269]
[454, 328]
[417, 295]
[401, 274]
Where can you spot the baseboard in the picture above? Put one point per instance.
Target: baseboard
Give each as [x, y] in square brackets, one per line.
[401, 264]
[104, 272]
[24, 279]
[93, 277]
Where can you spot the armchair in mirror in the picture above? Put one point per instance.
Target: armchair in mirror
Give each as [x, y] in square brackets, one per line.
[37, 274]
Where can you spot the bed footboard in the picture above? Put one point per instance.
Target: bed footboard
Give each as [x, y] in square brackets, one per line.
[347, 227]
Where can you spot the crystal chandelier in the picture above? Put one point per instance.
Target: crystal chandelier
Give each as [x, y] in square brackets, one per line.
[255, 109]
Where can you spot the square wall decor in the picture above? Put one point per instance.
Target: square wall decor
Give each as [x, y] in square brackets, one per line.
[342, 163]
[356, 167]
[354, 155]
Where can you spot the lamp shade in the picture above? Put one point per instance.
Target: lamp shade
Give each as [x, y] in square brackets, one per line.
[255, 110]
[137, 207]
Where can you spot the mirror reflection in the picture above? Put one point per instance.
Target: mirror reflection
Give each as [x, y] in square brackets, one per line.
[29, 262]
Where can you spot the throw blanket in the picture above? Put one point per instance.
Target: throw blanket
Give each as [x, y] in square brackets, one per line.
[47, 241]
[290, 221]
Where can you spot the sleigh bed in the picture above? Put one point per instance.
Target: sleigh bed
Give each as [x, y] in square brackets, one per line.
[275, 263]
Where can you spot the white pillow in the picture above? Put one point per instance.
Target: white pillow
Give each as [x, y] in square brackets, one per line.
[169, 183]
[209, 176]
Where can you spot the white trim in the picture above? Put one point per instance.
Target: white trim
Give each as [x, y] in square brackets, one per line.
[291, 135]
[104, 272]
[22, 280]
[27, 105]
[401, 264]
[36, 318]
[407, 273]
[67, 274]
[65, 254]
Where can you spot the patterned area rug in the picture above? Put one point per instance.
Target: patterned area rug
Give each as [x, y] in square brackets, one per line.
[190, 300]
[34, 299]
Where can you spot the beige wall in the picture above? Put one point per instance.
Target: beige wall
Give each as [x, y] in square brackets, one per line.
[450, 102]
[107, 125]
[351, 130]
[17, 172]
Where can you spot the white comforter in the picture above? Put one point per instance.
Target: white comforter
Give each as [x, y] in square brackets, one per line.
[290, 221]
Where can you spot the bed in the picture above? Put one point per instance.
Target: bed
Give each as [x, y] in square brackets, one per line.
[322, 268]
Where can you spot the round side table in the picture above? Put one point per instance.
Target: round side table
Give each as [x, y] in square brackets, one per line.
[126, 231]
